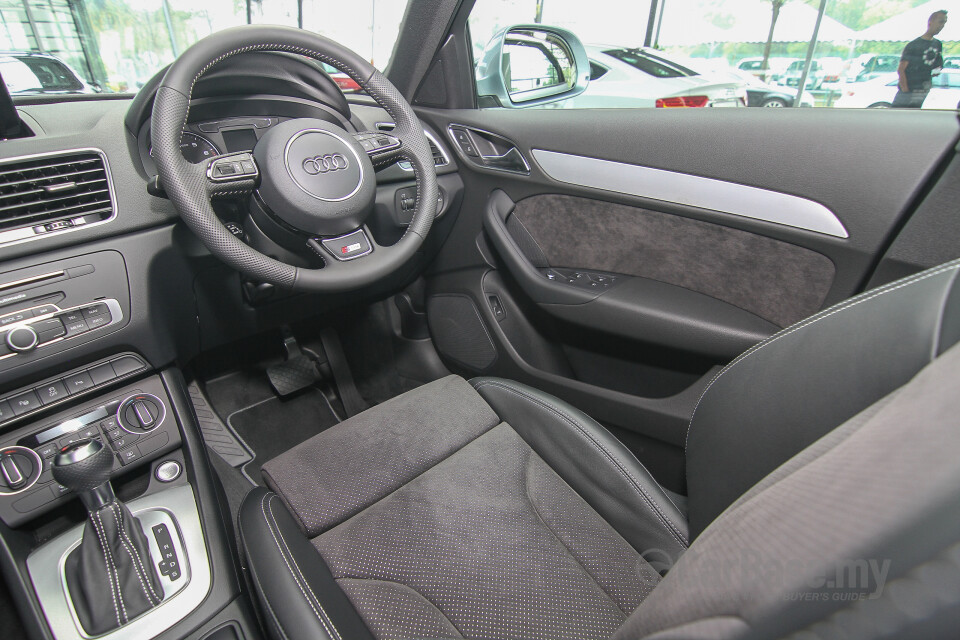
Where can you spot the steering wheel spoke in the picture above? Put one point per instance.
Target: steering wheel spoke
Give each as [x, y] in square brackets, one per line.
[231, 174]
[382, 148]
[350, 246]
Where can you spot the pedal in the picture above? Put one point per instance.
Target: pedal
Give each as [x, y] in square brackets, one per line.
[297, 372]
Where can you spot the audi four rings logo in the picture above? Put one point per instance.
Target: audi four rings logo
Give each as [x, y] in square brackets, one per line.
[325, 164]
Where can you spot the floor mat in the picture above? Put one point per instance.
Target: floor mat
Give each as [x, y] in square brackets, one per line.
[272, 425]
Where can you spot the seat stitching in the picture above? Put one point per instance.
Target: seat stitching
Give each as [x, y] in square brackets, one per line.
[134, 555]
[324, 620]
[406, 586]
[106, 565]
[536, 511]
[266, 602]
[309, 602]
[826, 313]
[671, 527]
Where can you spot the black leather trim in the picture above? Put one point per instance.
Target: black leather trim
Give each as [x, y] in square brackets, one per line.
[786, 392]
[294, 584]
[593, 462]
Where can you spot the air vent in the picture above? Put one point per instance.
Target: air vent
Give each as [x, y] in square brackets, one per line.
[40, 195]
[440, 159]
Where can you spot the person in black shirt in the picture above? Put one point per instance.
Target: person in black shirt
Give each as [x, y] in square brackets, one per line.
[920, 58]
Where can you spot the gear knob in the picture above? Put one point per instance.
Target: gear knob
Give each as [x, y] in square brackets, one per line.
[85, 468]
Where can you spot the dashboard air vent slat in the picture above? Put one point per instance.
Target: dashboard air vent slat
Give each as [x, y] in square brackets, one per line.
[53, 193]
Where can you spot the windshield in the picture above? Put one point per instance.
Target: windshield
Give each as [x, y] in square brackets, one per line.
[115, 46]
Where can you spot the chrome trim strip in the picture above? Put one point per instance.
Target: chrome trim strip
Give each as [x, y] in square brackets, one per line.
[32, 279]
[175, 507]
[690, 190]
[26, 234]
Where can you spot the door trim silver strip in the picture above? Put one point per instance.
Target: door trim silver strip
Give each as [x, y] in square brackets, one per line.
[690, 190]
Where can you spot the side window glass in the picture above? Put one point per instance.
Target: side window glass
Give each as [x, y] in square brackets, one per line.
[724, 53]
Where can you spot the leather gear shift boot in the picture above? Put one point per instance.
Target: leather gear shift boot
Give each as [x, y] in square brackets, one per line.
[110, 576]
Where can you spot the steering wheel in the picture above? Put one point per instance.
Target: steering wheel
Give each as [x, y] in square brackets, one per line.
[314, 178]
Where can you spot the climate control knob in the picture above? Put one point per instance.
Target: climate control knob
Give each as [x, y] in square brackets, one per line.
[139, 413]
[20, 469]
[22, 339]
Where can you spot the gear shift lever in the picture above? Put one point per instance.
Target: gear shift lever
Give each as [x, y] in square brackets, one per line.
[114, 555]
[85, 469]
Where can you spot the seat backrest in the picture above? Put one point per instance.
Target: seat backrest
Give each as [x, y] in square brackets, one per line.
[795, 387]
[858, 536]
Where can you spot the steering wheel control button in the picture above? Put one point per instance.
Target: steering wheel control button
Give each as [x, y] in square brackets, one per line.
[353, 245]
[22, 339]
[239, 166]
[169, 471]
[52, 392]
[78, 382]
[376, 143]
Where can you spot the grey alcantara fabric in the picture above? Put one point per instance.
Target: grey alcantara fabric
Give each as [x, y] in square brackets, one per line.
[838, 503]
[489, 543]
[348, 467]
[775, 280]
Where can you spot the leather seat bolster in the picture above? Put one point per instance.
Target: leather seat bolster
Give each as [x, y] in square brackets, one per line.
[593, 462]
[300, 596]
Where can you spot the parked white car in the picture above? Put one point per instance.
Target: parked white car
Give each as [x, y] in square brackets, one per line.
[879, 92]
[641, 77]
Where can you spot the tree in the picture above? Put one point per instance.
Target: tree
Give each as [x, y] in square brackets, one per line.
[776, 5]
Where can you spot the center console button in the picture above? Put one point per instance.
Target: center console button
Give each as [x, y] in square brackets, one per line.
[95, 310]
[52, 392]
[24, 403]
[129, 455]
[168, 471]
[47, 325]
[22, 339]
[125, 440]
[75, 326]
[78, 382]
[15, 317]
[6, 412]
[126, 364]
[103, 373]
[47, 450]
[44, 310]
[109, 424]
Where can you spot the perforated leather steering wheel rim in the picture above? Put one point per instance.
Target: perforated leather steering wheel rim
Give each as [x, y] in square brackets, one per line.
[191, 191]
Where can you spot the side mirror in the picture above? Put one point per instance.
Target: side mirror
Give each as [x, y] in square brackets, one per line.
[530, 65]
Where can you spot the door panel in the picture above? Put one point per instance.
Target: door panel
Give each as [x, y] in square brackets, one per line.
[698, 278]
[775, 280]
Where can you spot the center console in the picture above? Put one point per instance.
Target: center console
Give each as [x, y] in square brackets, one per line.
[141, 426]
